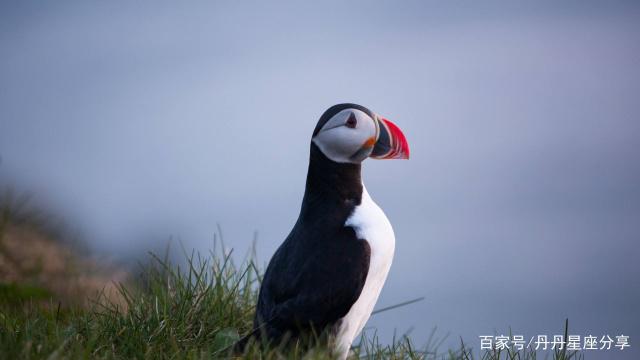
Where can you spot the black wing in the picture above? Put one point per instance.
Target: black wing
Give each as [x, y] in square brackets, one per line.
[311, 282]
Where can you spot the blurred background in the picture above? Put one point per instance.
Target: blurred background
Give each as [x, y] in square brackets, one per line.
[520, 207]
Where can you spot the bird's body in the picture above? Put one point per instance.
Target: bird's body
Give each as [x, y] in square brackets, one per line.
[329, 271]
[370, 223]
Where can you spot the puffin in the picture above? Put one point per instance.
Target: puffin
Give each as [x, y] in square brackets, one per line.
[328, 273]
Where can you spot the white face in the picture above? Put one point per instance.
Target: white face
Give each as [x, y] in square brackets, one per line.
[348, 137]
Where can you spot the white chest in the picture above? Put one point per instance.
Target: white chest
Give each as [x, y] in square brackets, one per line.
[371, 224]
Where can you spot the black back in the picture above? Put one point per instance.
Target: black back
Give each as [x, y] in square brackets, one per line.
[319, 270]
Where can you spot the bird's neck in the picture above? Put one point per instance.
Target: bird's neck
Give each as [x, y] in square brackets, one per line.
[337, 186]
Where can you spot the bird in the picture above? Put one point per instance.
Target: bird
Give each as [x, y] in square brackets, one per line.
[329, 271]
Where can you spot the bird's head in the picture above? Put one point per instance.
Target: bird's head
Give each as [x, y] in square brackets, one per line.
[350, 133]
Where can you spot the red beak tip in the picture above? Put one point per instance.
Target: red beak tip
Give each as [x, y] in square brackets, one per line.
[402, 145]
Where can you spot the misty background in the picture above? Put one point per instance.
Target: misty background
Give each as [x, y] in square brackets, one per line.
[520, 206]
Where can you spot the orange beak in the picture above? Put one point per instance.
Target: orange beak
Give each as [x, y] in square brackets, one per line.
[391, 143]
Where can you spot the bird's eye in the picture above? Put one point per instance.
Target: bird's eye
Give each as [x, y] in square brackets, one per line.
[351, 121]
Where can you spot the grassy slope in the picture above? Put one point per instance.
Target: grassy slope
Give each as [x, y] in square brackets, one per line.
[168, 312]
[193, 313]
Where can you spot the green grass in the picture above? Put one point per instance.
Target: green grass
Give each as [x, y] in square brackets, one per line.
[196, 311]
[193, 312]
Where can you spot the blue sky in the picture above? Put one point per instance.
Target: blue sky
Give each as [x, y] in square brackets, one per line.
[521, 203]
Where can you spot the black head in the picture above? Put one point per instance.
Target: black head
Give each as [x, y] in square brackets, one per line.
[350, 133]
